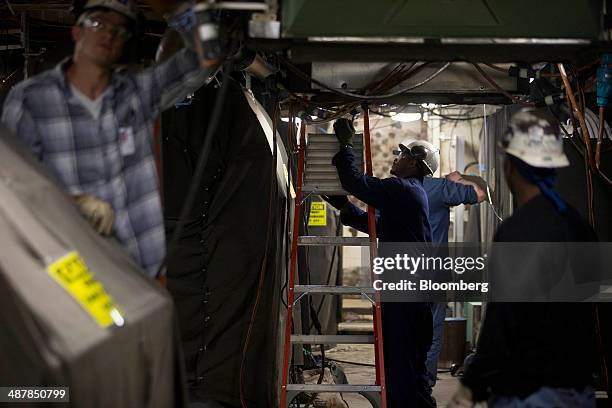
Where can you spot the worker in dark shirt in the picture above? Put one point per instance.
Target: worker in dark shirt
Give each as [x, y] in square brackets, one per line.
[401, 216]
[534, 354]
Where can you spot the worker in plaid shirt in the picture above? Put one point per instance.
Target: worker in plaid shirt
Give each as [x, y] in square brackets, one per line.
[92, 126]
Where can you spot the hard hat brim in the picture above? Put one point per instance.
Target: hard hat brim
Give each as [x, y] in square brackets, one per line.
[552, 162]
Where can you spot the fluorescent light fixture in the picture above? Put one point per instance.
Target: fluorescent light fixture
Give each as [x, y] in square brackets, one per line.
[513, 41]
[407, 117]
[376, 40]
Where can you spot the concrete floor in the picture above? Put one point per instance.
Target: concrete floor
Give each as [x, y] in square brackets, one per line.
[356, 374]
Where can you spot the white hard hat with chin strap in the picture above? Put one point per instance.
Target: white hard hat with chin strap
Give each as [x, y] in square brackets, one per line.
[432, 157]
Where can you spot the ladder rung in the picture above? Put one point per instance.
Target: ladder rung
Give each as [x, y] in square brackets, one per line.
[331, 138]
[340, 241]
[323, 184]
[322, 176]
[356, 327]
[340, 290]
[326, 161]
[320, 154]
[331, 339]
[333, 388]
[324, 191]
[321, 169]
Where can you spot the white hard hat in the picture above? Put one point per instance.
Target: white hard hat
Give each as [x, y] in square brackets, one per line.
[534, 139]
[124, 7]
[432, 159]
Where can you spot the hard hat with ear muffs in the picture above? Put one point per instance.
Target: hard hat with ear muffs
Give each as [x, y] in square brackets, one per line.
[430, 154]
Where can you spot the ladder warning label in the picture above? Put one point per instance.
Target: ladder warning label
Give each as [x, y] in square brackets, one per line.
[318, 214]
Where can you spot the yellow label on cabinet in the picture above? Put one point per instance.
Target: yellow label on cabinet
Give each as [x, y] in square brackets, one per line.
[318, 214]
[71, 272]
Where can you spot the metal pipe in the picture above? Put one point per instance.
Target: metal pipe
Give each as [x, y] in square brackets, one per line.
[377, 318]
[293, 265]
[25, 42]
[581, 119]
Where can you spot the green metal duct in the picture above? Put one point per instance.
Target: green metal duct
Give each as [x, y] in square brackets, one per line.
[442, 18]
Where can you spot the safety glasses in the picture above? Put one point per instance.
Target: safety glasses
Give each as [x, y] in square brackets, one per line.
[100, 26]
[414, 152]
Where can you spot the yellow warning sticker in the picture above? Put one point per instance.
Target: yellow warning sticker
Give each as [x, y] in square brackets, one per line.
[71, 272]
[318, 214]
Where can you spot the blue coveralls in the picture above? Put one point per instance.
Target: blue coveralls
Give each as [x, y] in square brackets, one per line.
[441, 195]
[402, 216]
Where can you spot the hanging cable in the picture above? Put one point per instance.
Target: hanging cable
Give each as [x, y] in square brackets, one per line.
[453, 118]
[306, 77]
[589, 159]
[495, 85]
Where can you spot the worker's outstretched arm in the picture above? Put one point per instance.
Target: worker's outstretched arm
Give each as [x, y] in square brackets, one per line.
[166, 83]
[371, 190]
[454, 193]
[355, 217]
[478, 196]
[350, 214]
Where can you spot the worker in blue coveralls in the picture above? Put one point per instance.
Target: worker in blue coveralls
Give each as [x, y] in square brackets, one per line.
[402, 216]
[442, 194]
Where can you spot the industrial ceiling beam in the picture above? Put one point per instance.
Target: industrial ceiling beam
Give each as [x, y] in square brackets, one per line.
[10, 47]
[304, 51]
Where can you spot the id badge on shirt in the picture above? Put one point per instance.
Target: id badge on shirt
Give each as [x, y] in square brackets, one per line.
[126, 141]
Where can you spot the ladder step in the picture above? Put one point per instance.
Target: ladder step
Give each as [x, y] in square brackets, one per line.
[323, 176]
[333, 388]
[340, 290]
[356, 327]
[326, 162]
[331, 339]
[316, 138]
[308, 240]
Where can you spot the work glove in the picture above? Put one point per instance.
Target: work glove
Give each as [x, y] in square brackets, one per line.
[337, 201]
[345, 131]
[181, 18]
[463, 398]
[99, 213]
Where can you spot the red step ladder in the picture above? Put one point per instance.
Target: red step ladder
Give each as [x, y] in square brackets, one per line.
[376, 393]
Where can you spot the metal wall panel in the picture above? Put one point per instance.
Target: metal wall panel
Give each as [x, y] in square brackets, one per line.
[320, 176]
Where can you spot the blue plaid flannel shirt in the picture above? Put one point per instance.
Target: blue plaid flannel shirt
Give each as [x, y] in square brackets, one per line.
[84, 154]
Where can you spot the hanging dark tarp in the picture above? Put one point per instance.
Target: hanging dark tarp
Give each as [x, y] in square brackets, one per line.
[214, 277]
[124, 356]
